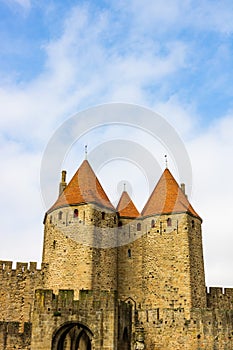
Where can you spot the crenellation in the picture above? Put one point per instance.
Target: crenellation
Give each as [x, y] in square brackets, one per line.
[205, 329]
[21, 267]
[220, 298]
[13, 336]
[65, 298]
[33, 266]
[6, 265]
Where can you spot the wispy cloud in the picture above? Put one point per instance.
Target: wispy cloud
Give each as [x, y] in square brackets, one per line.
[25, 4]
[178, 14]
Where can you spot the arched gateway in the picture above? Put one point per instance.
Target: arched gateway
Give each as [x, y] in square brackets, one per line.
[72, 336]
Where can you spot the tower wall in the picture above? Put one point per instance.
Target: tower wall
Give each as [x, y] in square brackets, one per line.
[130, 258]
[197, 272]
[165, 268]
[80, 250]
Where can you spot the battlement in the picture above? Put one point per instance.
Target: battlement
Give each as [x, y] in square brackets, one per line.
[203, 329]
[7, 266]
[15, 328]
[46, 299]
[13, 336]
[17, 287]
[220, 298]
[200, 321]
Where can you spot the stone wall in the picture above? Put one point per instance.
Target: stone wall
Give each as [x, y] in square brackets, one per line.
[169, 329]
[96, 312]
[17, 287]
[220, 298]
[11, 337]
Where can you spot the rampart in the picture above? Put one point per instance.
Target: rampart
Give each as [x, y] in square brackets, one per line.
[11, 336]
[17, 288]
[206, 329]
[220, 298]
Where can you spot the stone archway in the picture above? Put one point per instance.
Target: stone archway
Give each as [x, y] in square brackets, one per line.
[72, 336]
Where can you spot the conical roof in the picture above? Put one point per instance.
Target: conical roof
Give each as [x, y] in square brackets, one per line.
[84, 187]
[126, 206]
[167, 198]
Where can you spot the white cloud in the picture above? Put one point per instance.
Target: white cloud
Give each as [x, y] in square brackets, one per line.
[72, 77]
[176, 14]
[182, 116]
[21, 226]
[211, 155]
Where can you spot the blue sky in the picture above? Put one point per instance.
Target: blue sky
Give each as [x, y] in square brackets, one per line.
[60, 57]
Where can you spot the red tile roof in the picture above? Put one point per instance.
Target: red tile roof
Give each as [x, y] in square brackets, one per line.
[126, 206]
[84, 187]
[167, 198]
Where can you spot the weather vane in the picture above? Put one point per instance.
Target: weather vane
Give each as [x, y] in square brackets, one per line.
[85, 151]
[165, 160]
[124, 186]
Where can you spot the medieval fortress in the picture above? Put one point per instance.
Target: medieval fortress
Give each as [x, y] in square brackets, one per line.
[114, 278]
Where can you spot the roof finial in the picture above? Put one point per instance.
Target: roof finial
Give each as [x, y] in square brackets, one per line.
[85, 151]
[124, 186]
[165, 160]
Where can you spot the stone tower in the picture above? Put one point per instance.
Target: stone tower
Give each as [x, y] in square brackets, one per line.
[79, 236]
[160, 262]
[172, 249]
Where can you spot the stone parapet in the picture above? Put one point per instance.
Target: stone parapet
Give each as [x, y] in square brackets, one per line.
[220, 298]
[17, 287]
[12, 336]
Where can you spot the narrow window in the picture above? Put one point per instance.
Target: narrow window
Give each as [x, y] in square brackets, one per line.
[75, 213]
[125, 335]
[120, 224]
[50, 219]
[193, 224]
[103, 215]
[152, 223]
[169, 222]
[129, 253]
[138, 227]
[84, 216]
[54, 244]
[60, 215]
